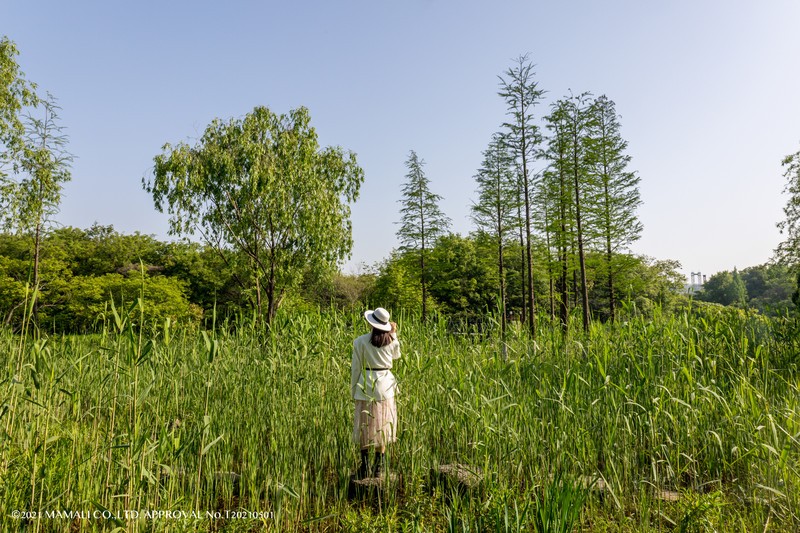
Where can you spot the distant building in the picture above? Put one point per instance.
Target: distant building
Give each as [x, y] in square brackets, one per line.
[696, 284]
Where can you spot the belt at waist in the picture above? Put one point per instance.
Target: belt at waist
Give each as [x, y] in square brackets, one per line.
[376, 369]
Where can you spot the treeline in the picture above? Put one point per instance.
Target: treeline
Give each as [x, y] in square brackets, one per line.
[770, 289]
[463, 280]
[83, 271]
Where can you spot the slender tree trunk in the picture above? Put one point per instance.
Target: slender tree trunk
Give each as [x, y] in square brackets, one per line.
[524, 316]
[609, 256]
[424, 283]
[503, 321]
[37, 243]
[36, 248]
[501, 270]
[549, 261]
[37, 239]
[564, 303]
[611, 295]
[423, 277]
[529, 257]
[501, 274]
[581, 258]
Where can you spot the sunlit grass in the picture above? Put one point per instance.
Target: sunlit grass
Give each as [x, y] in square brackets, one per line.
[702, 411]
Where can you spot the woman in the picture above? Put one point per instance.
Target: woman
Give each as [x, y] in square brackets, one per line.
[372, 386]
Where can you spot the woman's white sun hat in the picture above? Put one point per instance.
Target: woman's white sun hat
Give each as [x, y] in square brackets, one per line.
[378, 319]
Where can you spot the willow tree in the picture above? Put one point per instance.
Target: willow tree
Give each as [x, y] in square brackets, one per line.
[421, 220]
[263, 187]
[613, 211]
[521, 94]
[494, 211]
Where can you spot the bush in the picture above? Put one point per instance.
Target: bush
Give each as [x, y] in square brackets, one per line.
[86, 300]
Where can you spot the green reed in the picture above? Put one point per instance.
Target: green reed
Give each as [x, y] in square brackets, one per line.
[601, 431]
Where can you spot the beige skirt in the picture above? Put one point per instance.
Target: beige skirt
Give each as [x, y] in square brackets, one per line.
[375, 423]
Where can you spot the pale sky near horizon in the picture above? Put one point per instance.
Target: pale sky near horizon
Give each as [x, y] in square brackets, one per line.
[708, 93]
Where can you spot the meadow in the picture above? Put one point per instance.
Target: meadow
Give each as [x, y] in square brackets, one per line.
[688, 422]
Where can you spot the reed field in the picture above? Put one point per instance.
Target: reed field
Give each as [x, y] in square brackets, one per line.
[669, 423]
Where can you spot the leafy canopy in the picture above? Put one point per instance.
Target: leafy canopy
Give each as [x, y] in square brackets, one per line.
[261, 185]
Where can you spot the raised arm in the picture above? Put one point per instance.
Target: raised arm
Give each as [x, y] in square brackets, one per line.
[356, 365]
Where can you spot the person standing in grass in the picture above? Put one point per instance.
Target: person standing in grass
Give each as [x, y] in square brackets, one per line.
[372, 387]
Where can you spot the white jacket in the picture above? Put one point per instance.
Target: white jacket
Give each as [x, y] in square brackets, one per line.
[366, 384]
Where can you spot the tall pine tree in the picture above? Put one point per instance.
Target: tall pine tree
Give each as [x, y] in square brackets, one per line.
[579, 124]
[521, 93]
[557, 190]
[495, 211]
[616, 198]
[421, 222]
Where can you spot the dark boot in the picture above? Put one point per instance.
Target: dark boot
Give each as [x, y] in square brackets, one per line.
[380, 464]
[363, 469]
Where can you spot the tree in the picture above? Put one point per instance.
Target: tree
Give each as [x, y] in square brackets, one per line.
[15, 94]
[769, 288]
[788, 252]
[613, 213]
[463, 285]
[725, 288]
[521, 94]
[41, 166]
[578, 122]
[557, 193]
[262, 186]
[397, 284]
[421, 221]
[494, 211]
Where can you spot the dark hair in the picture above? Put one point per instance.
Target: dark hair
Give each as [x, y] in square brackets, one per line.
[380, 338]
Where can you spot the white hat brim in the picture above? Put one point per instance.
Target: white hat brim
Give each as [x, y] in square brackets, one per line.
[370, 317]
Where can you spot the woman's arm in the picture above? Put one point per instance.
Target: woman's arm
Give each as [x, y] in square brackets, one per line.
[355, 370]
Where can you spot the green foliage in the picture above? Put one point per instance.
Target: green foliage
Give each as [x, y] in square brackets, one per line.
[41, 167]
[341, 291]
[614, 195]
[788, 251]
[421, 221]
[725, 288]
[262, 187]
[650, 284]
[80, 271]
[557, 506]
[16, 93]
[464, 284]
[495, 213]
[32, 148]
[396, 286]
[769, 288]
[87, 302]
[796, 294]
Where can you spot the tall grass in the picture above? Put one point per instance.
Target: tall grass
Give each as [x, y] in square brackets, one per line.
[705, 409]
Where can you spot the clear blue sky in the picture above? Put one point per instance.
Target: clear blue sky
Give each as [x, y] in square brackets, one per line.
[709, 94]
